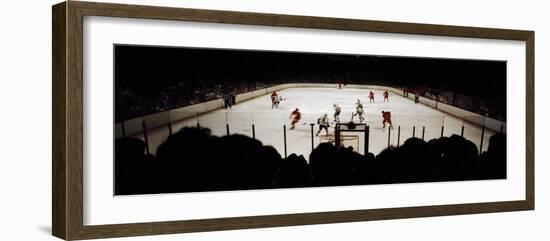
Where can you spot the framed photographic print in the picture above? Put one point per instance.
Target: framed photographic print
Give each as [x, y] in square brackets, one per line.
[171, 120]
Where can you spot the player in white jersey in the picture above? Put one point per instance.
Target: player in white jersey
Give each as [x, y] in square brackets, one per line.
[337, 111]
[323, 124]
[358, 111]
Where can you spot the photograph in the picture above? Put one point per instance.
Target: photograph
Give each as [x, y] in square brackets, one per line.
[189, 119]
[172, 119]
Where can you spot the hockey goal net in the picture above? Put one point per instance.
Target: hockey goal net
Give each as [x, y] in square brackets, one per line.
[345, 140]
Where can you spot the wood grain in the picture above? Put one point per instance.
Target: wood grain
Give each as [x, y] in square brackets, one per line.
[530, 120]
[67, 81]
[122, 230]
[280, 20]
[74, 120]
[58, 121]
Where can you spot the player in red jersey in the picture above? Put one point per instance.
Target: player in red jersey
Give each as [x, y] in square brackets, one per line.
[386, 94]
[274, 100]
[386, 115]
[371, 97]
[295, 116]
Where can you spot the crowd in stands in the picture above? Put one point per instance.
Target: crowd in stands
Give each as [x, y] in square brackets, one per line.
[193, 160]
[491, 107]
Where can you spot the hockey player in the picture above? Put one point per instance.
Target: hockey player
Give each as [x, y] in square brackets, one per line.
[337, 111]
[371, 97]
[358, 111]
[275, 100]
[295, 116]
[386, 115]
[386, 95]
[323, 124]
[227, 101]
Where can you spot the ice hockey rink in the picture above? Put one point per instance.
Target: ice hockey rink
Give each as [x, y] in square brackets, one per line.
[314, 102]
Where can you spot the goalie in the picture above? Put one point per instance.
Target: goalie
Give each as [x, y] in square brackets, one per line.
[323, 124]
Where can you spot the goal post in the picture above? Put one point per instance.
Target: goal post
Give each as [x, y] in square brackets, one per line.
[349, 134]
[344, 141]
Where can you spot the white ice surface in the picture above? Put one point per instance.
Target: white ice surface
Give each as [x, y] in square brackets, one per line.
[313, 102]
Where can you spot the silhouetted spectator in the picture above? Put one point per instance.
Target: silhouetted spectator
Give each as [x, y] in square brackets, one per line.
[243, 163]
[131, 164]
[493, 161]
[193, 160]
[186, 161]
[327, 167]
[293, 172]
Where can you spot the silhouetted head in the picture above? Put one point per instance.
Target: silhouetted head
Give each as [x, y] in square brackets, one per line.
[293, 172]
[244, 163]
[327, 165]
[497, 143]
[128, 149]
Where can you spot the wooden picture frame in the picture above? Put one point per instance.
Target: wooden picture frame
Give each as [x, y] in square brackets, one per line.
[67, 159]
